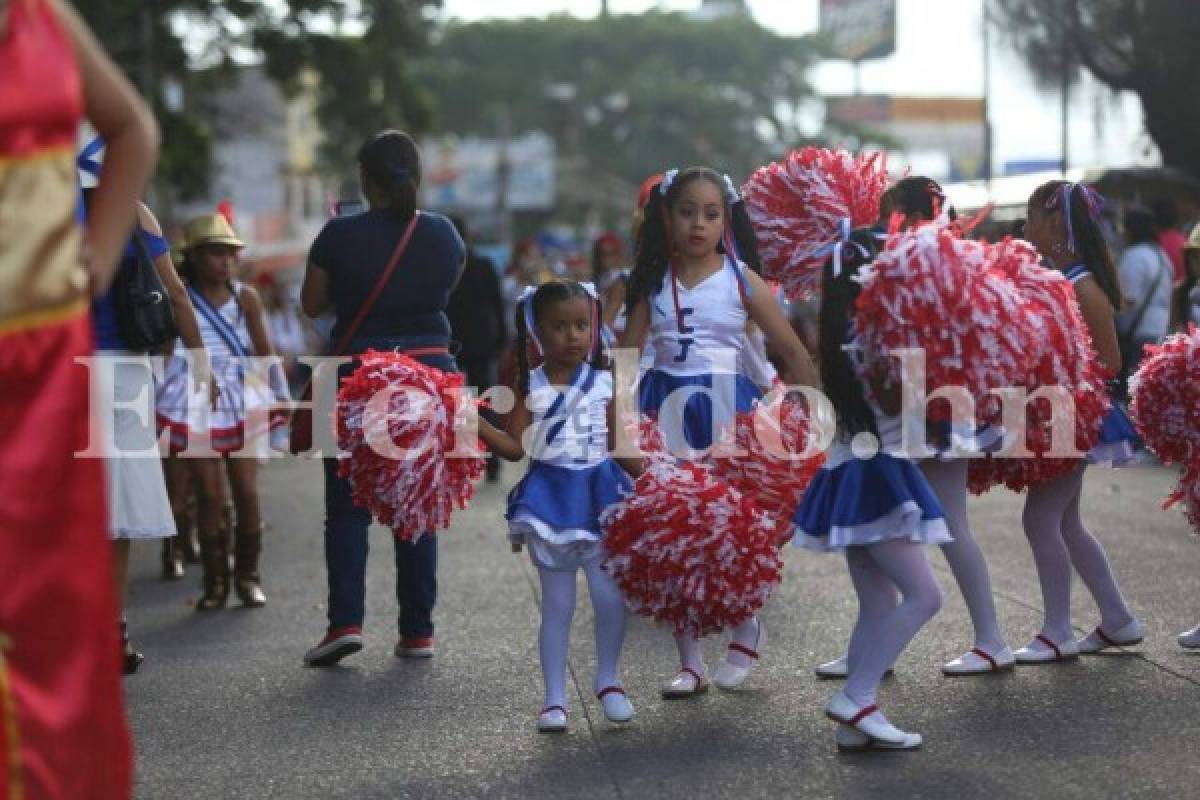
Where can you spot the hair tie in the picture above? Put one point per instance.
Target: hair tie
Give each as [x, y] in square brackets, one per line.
[1061, 199]
[668, 178]
[526, 303]
[731, 193]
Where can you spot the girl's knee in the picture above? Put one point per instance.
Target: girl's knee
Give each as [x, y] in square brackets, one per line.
[927, 600]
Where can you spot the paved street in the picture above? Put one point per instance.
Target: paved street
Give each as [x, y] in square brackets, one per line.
[223, 709]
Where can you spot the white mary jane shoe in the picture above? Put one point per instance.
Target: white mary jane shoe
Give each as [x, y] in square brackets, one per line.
[978, 661]
[1042, 650]
[730, 676]
[1190, 640]
[869, 720]
[851, 740]
[552, 719]
[616, 705]
[687, 682]
[1097, 641]
[833, 670]
[839, 669]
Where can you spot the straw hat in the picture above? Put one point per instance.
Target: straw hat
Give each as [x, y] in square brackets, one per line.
[211, 229]
[1193, 241]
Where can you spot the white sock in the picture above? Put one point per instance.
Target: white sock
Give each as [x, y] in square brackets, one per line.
[903, 564]
[1090, 561]
[691, 654]
[608, 611]
[949, 482]
[554, 635]
[1045, 507]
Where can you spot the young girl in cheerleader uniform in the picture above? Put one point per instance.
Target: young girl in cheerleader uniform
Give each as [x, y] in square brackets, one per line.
[1062, 222]
[921, 200]
[873, 504]
[563, 419]
[693, 288]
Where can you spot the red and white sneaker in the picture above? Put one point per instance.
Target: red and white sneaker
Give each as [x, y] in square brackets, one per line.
[417, 647]
[338, 643]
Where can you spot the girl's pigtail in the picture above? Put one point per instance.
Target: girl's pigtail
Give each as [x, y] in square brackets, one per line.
[522, 352]
[652, 254]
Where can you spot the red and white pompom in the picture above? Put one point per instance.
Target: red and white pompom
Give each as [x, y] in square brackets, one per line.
[1165, 407]
[763, 464]
[396, 419]
[1064, 356]
[797, 205]
[645, 430]
[689, 550]
[954, 298]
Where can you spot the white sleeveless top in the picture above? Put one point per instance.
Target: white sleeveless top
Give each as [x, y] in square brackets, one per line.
[582, 441]
[231, 312]
[714, 325]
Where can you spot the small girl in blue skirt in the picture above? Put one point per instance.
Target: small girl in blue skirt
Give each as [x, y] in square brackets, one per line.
[872, 503]
[563, 419]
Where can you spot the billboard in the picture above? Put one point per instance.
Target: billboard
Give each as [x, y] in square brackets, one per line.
[463, 173]
[859, 29]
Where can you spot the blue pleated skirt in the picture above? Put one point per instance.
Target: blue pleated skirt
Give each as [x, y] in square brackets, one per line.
[702, 412]
[1118, 439]
[854, 502]
[556, 510]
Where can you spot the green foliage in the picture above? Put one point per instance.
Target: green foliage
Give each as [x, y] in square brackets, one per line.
[627, 95]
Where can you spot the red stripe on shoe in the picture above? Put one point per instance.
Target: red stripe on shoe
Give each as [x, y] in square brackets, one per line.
[741, 648]
[986, 656]
[863, 713]
[548, 709]
[600, 695]
[693, 673]
[1057, 653]
[1104, 637]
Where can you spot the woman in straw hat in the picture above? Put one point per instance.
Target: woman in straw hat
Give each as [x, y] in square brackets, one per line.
[234, 329]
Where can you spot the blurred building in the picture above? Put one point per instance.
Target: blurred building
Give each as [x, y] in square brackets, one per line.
[265, 166]
[942, 137]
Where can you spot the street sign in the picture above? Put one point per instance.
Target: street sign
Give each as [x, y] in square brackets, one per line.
[859, 29]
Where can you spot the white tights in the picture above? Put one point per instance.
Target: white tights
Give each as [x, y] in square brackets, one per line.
[691, 654]
[554, 636]
[884, 628]
[1059, 541]
[948, 479]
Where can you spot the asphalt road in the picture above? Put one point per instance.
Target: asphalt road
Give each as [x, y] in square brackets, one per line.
[223, 708]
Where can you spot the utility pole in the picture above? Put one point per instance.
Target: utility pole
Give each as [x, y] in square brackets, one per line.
[503, 170]
[1066, 102]
[986, 169]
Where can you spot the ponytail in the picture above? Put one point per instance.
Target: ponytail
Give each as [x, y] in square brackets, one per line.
[391, 163]
[1081, 208]
[838, 294]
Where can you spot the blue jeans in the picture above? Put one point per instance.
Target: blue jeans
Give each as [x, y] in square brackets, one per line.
[346, 539]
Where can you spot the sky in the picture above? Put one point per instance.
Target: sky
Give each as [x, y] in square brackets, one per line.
[939, 53]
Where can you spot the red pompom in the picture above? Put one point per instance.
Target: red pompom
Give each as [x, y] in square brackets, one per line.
[688, 550]
[392, 404]
[645, 430]
[952, 297]
[764, 466]
[797, 204]
[1063, 356]
[1165, 407]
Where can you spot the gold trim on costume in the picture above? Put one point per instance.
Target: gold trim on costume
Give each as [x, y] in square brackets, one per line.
[40, 269]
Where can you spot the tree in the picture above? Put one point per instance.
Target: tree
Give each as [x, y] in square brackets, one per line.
[359, 48]
[1144, 46]
[626, 95]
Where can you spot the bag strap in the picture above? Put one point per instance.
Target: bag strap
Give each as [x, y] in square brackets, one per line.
[388, 271]
[1131, 329]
